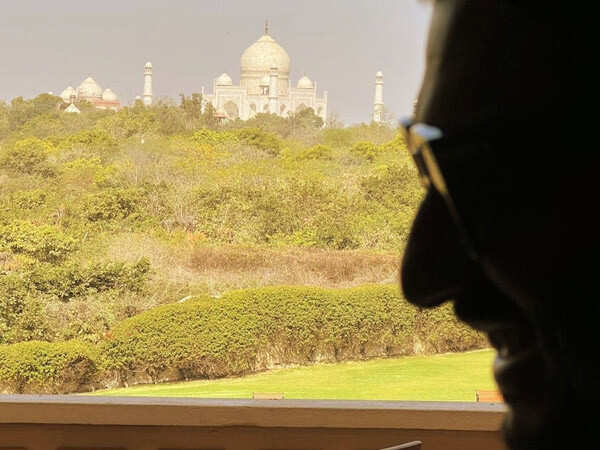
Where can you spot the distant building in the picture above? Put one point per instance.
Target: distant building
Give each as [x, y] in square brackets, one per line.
[265, 86]
[148, 84]
[378, 108]
[91, 92]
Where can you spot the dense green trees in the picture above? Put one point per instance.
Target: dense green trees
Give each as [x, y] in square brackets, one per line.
[21, 111]
[192, 106]
[31, 298]
[28, 156]
[42, 117]
[42, 242]
[103, 214]
[303, 124]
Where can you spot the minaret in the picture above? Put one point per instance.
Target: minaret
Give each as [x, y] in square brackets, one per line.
[274, 91]
[378, 109]
[148, 84]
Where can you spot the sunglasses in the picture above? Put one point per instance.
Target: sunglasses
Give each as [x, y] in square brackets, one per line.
[426, 144]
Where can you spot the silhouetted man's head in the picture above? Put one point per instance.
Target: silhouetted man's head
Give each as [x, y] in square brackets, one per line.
[496, 86]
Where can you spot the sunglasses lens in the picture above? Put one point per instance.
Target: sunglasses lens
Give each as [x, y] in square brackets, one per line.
[419, 138]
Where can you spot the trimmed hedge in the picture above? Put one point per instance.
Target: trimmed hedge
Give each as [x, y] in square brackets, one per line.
[242, 332]
[44, 367]
[254, 329]
[439, 331]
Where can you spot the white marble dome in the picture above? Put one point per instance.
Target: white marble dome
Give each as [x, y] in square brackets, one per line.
[89, 89]
[68, 93]
[264, 55]
[305, 83]
[224, 80]
[264, 85]
[148, 65]
[109, 96]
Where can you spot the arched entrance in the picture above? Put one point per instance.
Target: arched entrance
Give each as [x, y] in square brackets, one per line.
[232, 110]
[301, 107]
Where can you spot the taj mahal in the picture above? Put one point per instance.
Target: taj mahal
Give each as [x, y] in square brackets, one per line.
[265, 85]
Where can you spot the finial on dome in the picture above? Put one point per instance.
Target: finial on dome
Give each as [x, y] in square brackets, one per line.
[267, 26]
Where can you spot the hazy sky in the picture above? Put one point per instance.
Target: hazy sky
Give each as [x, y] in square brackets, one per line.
[47, 45]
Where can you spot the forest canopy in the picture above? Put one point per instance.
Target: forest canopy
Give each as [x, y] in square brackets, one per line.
[104, 214]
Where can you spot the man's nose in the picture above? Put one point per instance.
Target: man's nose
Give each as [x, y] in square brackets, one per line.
[435, 266]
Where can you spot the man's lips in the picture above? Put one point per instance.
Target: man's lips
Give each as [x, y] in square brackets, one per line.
[518, 367]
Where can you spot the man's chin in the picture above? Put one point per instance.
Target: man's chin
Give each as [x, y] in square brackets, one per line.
[536, 417]
[542, 433]
[560, 422]
[519, 378]
[518, 436]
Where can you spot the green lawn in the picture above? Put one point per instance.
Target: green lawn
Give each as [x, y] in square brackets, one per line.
[448, 377]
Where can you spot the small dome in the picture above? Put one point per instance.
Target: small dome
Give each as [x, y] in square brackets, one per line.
[305, 83]
[68, 93]
[148, 65]
[264, 55]
[265, 81]
[224, 80]
[89, 89]
[379, 74]
[109, 96]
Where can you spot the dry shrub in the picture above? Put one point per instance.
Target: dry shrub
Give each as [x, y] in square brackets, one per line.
[296, 266]
[236, 259]
[194, 268]
[340, 266]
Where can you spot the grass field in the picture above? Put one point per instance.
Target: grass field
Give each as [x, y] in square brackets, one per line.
[448, 377]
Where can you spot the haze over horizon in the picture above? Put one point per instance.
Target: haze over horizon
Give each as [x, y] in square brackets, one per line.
[341, 45]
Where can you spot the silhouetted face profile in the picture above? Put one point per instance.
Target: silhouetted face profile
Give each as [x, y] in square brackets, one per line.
[495, 86]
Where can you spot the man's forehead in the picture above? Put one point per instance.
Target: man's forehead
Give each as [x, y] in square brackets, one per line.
[484, 59]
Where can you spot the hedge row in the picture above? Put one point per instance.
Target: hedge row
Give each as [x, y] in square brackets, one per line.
[246, 331]
[45, 367]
